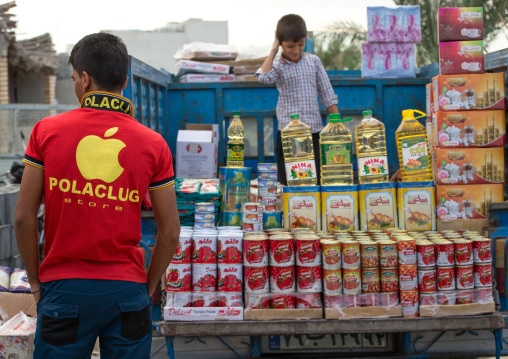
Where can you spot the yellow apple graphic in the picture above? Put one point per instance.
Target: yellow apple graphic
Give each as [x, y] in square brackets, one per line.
[98, 159]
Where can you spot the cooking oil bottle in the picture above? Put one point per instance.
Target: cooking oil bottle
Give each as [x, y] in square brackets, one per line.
[236, 133]
[412, 146]
[298, 153]
[371, 150]
[335, 144]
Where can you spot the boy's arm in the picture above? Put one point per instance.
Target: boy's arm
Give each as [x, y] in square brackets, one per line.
[329, 99]
[265, 73]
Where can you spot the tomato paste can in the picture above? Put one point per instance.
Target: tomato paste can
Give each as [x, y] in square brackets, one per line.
[351, 300]
[445, 278]
[388, 299]
[389, 277]
[204, 299]
[229, 247]
[309, 279]
[269, 202]
[406, 250]
[282, 279]
[429, 298]
[408, 278]
[331, 253]
[255, 251]
[229, 277]
[350, 255]
[464, 277]
[351, 279]
[179, 299]
[483, 295]
[425, 253]
[483, 275]
[445, 252]
[369, 254]
[388, 253]
[333, 301]
[409, 302]
[256, 279]
[465, 296]
[282, 301]
[370, 280]
[282, 250]
[308, 251]
[178, 278]
[204, 248]
[183, 253]
[427, 280]
[446, 297]
[464, 252]
[308, 300]
[482, 251]
[230, 299]
[204, 277]
[332, 281]
[257, 300]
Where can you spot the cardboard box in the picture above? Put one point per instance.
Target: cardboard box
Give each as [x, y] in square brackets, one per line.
[184, 314]
[283, 314]
[460, 23]
[454, 310]
[393, 24]
[388, 60]
[363, 312]
[197, 151]
[478, 225]
[416, 206]
[469, 129]
[378, 206]
[194, 78]
[18, 346]
[469, 165]
[469, 92]
[243, 78]
[187, 66]
[13, 303]
[429, 100]
[461, 57]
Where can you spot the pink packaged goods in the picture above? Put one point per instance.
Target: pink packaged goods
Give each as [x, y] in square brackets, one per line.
[461, 57]
[393, 24]
[388, 60]
[460, 23]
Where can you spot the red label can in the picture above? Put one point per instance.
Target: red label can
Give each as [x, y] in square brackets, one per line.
[388, 299]
[308, 300]
[257, 300]
[408, 278]
[409, 302]
[351, 279]
[445, 251]
[427, 280]
[447, 297]
[407, 251]
[204, 248]
[309, 279]
[463, 252]
[183, 253]
[369, 299]
[464, 277]
[370, 280]
[256, 279]
[389, 277]
[226, 299]
[178, 278]
[445, 278]
[483, 275]
[465, 297]
[282, 301]
[282, 279]
[308, 252]
[482, 252]
[332, 281]
[229, 248]
[229, 277]
[204, 277]
[179, 299]
[282, 251]
[483, 295]
[425, 254]
[351, 301]
[428, 298]
[255, 252]
[204, 299]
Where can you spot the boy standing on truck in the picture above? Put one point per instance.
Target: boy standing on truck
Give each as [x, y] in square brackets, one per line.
[300, 79]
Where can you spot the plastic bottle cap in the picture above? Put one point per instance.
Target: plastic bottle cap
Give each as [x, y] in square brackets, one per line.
[367, 113]
[236, 113]
[294, 116]
[408, 113]
[334, 117]
[345, 119]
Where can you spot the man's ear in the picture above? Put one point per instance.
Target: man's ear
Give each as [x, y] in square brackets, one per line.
[86, 82]
[125, 83]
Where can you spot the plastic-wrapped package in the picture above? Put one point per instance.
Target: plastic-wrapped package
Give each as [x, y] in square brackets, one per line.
[193, 78]
[184, 67]
[187, 189]
[207, 52]
[388, 60]
[20, 324]
[5, 277]
[19, 281]
[393, 24]
[367, 305]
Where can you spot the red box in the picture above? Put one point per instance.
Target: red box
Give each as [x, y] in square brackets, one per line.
[461, 57]
[460, 23]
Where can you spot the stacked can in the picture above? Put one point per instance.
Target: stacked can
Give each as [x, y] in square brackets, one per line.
[267, 194]
[370, 273]
[230, 268]
[256, 271]
[204, 215]
[252, 217]
[408, 273]
[309, 275]
[178, 274]
[332, 270]
[427, 274]
[282, 270]
[204, 268]
[234, 184]
[482, 256]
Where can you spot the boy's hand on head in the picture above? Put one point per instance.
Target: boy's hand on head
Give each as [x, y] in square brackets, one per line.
[276, 45]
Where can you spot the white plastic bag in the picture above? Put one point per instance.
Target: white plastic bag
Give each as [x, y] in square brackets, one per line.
[206, 52]
[20, 324]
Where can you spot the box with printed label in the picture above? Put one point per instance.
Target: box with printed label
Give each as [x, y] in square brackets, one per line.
[191, 78]
[461, 57]
[339, 208]
[416, 204]
[197, 151]
[302, 207]
[378, 206]
[184, 314]
[460, 23]
[393, 24]
[388, 60]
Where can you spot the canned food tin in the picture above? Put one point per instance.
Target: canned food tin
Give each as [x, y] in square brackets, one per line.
[483, 275]
[388, 299]
[267, 183]
[204, 248]
[389, 277]
[369, 254]
[308, 300]
[332, 281]
[255, 252]
[229, 247]
[407, 251]
[370, 280]
[464, 252]
[252, 227]
[257, 300]
[204, 223]
[252, 218]
[445, 253]
[425, 254]
[179, 299]
[308, 251]
[427, 280]
[204, 217]
[282, 301]
[178, 278]
[333, 301]
[282, 251]
[229, 277]
[204, 277]
[465, 296]
[351, 255]
[408, 278]
[267, 191]
[388, 253]
[447, 297]
[230, 299]
[282, 279]
[272, 220]
[483, 295]
[351, 280]
[309, 279]
[409, 302]
[464, 276]
[252, 208]
[263, 167]
[267, 175]
[204, 299]
[351, 301]
[428, 298]
[331, 253]
[482, 252]
[204, 207]
[256, 279]
[269, 201]
[445, 278]
[183, 253]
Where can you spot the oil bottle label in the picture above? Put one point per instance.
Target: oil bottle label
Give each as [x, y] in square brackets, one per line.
[235, 151]
[373, 166]
[336, 153]
[301, 170]
[415, 155]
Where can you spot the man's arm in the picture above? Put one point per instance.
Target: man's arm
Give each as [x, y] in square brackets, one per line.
[333, 109]
[168, 232]
[25, 223]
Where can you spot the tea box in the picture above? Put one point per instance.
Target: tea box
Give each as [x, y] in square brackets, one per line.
[339, 208]
[302, 207]
[460, 23]
[416, 206]
[461, 57]
[378, 206]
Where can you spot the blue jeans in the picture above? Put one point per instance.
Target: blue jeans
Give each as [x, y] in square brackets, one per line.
[72, 313]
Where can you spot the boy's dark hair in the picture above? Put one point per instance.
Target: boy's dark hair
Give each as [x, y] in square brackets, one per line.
[104, 57]
[291, 28]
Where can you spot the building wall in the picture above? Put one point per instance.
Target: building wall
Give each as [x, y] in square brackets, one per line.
[30, 87]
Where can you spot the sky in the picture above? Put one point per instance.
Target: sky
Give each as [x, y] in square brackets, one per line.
[251, 23]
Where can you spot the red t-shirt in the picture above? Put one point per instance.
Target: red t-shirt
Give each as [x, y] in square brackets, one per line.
[98, 163]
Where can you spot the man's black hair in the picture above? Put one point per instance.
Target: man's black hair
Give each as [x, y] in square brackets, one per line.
[291, 28]
[104, 57]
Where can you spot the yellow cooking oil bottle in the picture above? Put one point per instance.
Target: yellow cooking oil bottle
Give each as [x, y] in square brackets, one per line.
[236, 133]
[412, 146]
[371, 150]
[335, 144]
[298, 153]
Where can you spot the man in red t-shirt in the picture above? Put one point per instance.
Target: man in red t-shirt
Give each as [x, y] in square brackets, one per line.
[92, 166]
